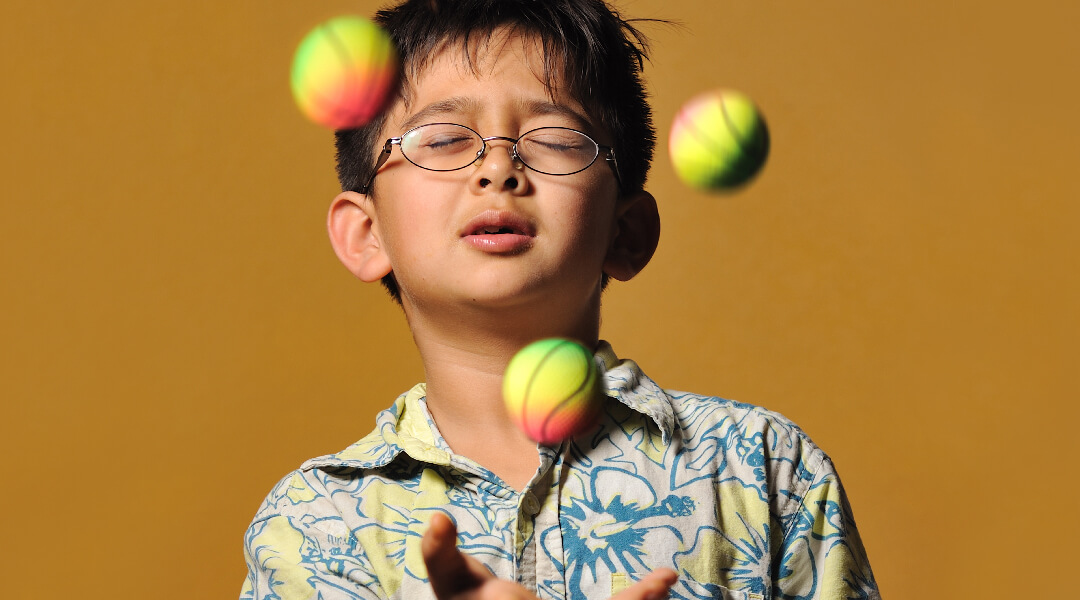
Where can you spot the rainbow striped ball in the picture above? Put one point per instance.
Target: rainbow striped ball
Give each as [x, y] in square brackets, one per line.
[718, 140]
[552, 390]
[344, 72]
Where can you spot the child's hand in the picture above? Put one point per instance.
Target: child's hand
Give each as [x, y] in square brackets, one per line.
[455, 576]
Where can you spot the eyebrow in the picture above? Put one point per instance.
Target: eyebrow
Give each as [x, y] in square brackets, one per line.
[544, 108]
[458, 105]
[454, 105]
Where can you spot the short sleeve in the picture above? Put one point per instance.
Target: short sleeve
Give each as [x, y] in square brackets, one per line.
[822, 556]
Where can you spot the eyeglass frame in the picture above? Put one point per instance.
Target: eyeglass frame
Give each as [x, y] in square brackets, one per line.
[388, 147]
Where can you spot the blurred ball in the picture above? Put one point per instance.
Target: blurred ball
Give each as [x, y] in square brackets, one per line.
[552, 390]
[344, 72]
[718, 140]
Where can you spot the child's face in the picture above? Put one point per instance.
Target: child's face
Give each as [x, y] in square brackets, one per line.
[433, 225]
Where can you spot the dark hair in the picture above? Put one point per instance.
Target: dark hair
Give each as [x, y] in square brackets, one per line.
[598, 54]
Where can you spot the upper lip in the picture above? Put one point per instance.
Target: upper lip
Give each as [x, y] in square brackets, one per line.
[492, 221]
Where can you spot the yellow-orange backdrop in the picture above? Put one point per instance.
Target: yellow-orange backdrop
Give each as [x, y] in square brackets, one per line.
[901, 280]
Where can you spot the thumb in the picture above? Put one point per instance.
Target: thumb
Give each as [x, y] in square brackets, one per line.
[653, 586]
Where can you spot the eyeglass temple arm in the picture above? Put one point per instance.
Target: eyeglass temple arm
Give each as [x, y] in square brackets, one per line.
[610, 158]
[383, 156]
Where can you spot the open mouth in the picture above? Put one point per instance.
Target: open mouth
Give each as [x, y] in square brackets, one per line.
[497, 231]
[498, 222]
[500, 232]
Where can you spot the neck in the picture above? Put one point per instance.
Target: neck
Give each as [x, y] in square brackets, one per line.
[464, 359]
[465, 353]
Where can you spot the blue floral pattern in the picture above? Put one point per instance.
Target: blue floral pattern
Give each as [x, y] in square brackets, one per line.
[733, 497]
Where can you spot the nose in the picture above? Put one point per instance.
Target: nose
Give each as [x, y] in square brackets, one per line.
[498, 171]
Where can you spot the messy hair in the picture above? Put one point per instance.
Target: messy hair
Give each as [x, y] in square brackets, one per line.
[584, 43]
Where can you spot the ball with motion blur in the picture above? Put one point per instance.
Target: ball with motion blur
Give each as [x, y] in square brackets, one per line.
[552, 390]
[718, 141]
[344, 72]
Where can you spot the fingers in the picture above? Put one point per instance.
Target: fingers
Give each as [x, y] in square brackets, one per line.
[455, 576]
[449, 571]
[653, 586]
[439, 539]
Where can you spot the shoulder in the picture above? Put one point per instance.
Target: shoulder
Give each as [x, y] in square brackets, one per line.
[696, 409]
[699, 417]
[710, 439]
[695, 422]
[758, 448]
[304, 497]
[390, 456]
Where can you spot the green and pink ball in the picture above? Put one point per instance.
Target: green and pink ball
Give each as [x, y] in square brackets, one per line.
[552, 390]
[344, 72]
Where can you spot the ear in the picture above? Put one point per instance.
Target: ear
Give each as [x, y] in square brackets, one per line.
[636, 234]
[354, 234]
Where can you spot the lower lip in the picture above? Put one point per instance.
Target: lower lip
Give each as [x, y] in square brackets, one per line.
[501, 243]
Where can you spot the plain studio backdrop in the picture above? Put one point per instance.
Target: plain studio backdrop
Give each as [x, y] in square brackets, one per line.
[901, 280]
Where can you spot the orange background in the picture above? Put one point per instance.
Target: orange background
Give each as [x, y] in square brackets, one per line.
[901, 280]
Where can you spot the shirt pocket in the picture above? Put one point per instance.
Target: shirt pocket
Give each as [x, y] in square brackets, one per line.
[726, 594]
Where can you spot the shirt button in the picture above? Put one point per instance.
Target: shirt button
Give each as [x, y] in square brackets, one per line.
[530, 504]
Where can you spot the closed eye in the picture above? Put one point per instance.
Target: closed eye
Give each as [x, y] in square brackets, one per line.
[557, 142]
[446, 143]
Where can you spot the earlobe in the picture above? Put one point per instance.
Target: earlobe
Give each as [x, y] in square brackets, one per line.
[636, 236]
[355, 238]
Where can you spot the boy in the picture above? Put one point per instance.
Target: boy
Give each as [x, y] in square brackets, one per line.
[494, 199]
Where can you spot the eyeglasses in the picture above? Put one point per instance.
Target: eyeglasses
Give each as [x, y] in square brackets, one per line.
[450, 147]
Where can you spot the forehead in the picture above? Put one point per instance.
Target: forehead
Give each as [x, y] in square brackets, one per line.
[467, 77]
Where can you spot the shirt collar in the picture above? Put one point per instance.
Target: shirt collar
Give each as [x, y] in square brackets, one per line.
[625, 381]
[407, 425]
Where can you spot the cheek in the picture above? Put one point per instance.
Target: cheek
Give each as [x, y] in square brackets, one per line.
[589, 228]
[398, 232]
[599, 213]
[588, 202]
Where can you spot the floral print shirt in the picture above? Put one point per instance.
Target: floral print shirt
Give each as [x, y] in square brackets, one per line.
[736, 499]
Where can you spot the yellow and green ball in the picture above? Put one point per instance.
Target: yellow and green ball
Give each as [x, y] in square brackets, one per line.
[552, 390]
[718, 140]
